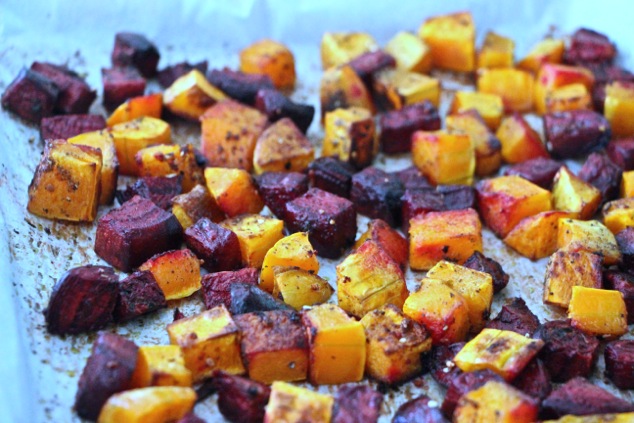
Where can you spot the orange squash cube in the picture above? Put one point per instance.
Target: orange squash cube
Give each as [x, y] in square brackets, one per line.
[282, 147]
[574, 195]
[568, 97]
[146, 405]
[591, 236]
[271, 58]
[619, 107]
[488, 106]
[339, 48]
[177, 273]
[619, 214]
[147, 105]
[444, 158]
[452, 41]
[350, 135]
[519, 141]
[390, 240]
[397, 88]
[194, 205]
[411, 53]
[598, 311]
[160, 365]
[293, 404]
[487, 147]
[496, 52]
[548, 50]
[299, 287]
[169, 159]
[342, 88]
[190, 95]
[627, 184]
[552, 76]
[496, 402]
[566, 269]
[292, 250]
[256, 234]
[515, 86]
[535, 236]
[233, 190]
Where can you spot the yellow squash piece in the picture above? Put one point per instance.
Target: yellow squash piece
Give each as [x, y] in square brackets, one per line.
[163, 404]
[444, 158]
[535, 236]
[395, 89]
[572, 194]
[293, 250]
[166, 159]
[411, 52]
[271, 58]
[350, 135]
[299, 287]
[627, 184]
[496, 402]
[519, 141]
[598, 311]
[190, 95]
[338, 48]
[488, 106]
[147, 105]
[452, 41]
[160, 365]
[566, 269]
[257, 234]
[592, 236]
[515, 86]
[194, 205]
[619, 214]
[292, 404]
[568, 97]
[619, 107]
[177, 273]
[487, 147]
[548, 50]
[496, 52]
[233, 190]
[282, 148]
[342, 88]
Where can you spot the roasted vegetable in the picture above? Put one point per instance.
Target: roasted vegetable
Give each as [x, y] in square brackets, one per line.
[553, 76]
[158, 189]
[240, 86]
[75, 95]
[218, 247]
[216, 287]
[420, 200]
[177, 272]
[339, 48]
[299, 287]
[169, 74]
[623, 283]
[342, 88]
[277, 106]
[451, 39]
[160, 365]
[534, 380]
[625, 241]
[566, 269]
[599, 171]
[395, 89]
[535, 236]
[68, 126]
[515, 316]
[164, 160]
[356, 404]
[587, 45]
[570, 193]
[282, 147]
[256, 234]
[540, 171]
[148, 105]
[619, 363]
[514, 86]
[487, 147]
[421, 409]
[575, 132]
[464, 383]
[569, 97]
[598, 311]
[233, 190]
[410, 52]
[248, 298]
[121, 84]
[293, 250]
[350, 135]
[194, 205]
[519, 141]
[331, 174]
[496, 401]
[270, 58]
[31, 96]
[292, 404]
[132, 49]
[397, 126]
[496, 51]
[444, 158]
[478, 261]
[548, 50]
[591, 236]
[190, 95]
[377, 194]
[155, 404]
[441, 365]
[241, 399]
[392, 242]
[621, 152]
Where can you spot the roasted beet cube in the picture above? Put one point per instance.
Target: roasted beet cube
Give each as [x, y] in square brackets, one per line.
[218, 247]
[120, 84]
[443, 198]
[356, 404]
[169, 74]
[515, 316]
[241, 399]
[605, 73]
[619, 363]
[540, 171]
[31, 96]
[463, 383]
[330, 220]
[131, 234]
[621, 152]
[278, 188]
[625, 240]
[586, 46]
[277, 106]
[441, 364]
[216, 287]
[568, 352]
[83, 300]
[579, 397]
[419, 410]
[67, 126]
[624, 283]
[139, 294]
[576, 132]
[482, 263]
[135, 50]
[108, 370]
[158, 189]
[534, 380]
[367, 64]
[75, 95]
[412, 178]
[238, 85]
[600, 172]
[332, 175]
[377, 194]
[397, 126]
[248, 298]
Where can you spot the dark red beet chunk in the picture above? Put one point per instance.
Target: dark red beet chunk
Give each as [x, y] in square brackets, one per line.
[120, 84]
[621, 152]
[619, 363]
[412, 178]
[579, 397]
[377, 194]
[441, 364]
[568, 352]
[515, 316]
[397, 126]
[168, 75]
[139, 294]
[534, 380]
[240, 399]
[540, 171]
[600, 172]
[238, 85]
[218, 247]
[248, 298]
[330, 220]
[131, 234]
[368, 64]
[191, 418]
[216, 287]
[332, 175]
[108, 370]
[576, 132]
[31, 96]
[158, 189]
[135, 50]
[68, 126]
[419, 410]
[463, 383]
[625, 240]
[624, 283]
[277, 106]
[356, 404]
[482, 263]
[75, 95]
[444, 197]
[604, 73]
[586, 46]
[278, 188]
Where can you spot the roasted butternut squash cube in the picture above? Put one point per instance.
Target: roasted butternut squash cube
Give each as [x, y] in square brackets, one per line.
[342, 88]
[130, 137]
[147, 405]
[274, 345]
[496, 52]
[452, 41]
[350, 135]
[339, 48]
[590, 236]
[147, 105]
[568, 97]
[233, 190]
[293, 404]
[337, 345]
[566, 269]
[368, 279]
[519, 141]
[488, 106]
[627, 184]
[104, 141]
[514, 86]
[177, 273]
[570, 193]
[506, 200]
[190, 95]
[66, 182]
[487, 147]
[447, 235]
[299, 287]
[619, 214]
[474, 286]
[394, 345]
[390, 240]
[293, 250]
[535, 236]
[619, 106]
[270, 58]
[210, 341]
[160, 365]
[600, 312]
[195, 205]
[548, 50]
[282, 147]
[503, 351]
[496, 402]
[410, 51]
[397, 88]
[257, 234]
[164, 160]
[444, 158]
[552, 76]
[441, 310]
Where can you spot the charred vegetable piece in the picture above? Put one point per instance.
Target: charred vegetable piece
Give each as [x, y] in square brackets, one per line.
[277, 106]
[256, 234]
[350, 135]
[233, 190]
[134, 232]
[587, 45]
[216, 286]
[478, 261]
[190, 207]
[540, 171]
[600, 312]
[292, 250]
[624, 283]
[282, 147]
[218, 247]
[238, 85]
[356, 404]
[377, 194]
[397, 126]
[452, 41]
[240, 399]
[331, 174]
[534, 380]
[177, 272]
[625, 241]
[278, 188]
[591, 236]
[292, 404]
[68, 126]
[368, 64]
[515, 316]
[621, 152]
[169, 74]
[31, 96]
[496, 401]
[120, 84]
[463, 384]
[270, 58]
[160, 365]
[600, 172]
[154, 404]
[395, 89]
[342, 88]
[108, 370]
[419, 410]
[139, 294]
[160, 190]
[75, 95]
[441, 364]
[576, 132]
[392, 242]
[567, 269]
[132, 49]
[418, 201]
[82, 300]
[619, 363]
[248, 298]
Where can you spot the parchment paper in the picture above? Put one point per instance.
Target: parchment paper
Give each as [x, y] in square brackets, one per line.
[39, 372]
